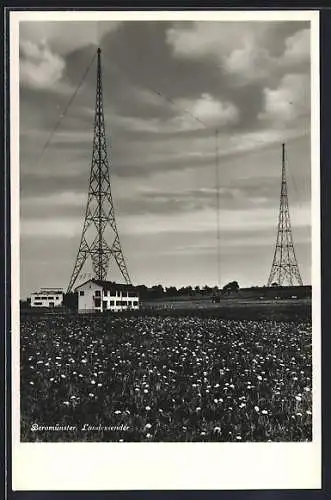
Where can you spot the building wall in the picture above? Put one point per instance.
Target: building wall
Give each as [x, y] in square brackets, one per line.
[120, 302]
[108, 302]
[46, 298]
[86, 296]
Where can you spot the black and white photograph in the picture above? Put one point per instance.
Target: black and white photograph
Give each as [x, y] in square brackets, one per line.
[166, 226]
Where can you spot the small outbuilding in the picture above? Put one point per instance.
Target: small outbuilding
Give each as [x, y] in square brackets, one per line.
[101, 296]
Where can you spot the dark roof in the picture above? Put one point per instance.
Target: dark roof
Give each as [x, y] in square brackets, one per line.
[110, 285]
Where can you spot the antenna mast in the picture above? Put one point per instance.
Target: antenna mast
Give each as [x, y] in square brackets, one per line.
[100, 239]
[284, 269]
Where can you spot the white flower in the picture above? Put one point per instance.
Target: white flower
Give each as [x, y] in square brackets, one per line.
[148, 436]
[298, 398]
[117, 412]
[91, 394]
[62, 375]
[215, 400]
[66, 403]
[239, 438]
[257, 409]
[259, 377]
[198, 408]
[264, 412]
[32, 383]
[148, 426]
[148, 408]
[99, 384]
[145, 391]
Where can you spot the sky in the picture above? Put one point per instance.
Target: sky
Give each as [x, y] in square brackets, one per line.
[168, 86]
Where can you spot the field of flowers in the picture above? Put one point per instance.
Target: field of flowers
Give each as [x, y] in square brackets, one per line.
[165, 378]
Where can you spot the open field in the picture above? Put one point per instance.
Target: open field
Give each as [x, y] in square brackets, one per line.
[285, 309]
[166, 376]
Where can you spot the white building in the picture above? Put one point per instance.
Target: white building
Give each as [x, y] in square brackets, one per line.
[100, 296]
[47, 297]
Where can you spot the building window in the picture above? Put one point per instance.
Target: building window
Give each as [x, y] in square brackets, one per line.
[38, 304]
[57, 298]
[97, 293]
[97, 302]
[124, 303]
[81, 293]
[50, 298]
[43, 298]
[111, 303]
[37, 298]
[51, 304]
[118, 303]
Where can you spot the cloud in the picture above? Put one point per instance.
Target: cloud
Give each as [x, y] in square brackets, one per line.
[51, 227]
[40, 68]
[201, 39]
[214, 39]
[191, 114]
[250, 62]
[289, 101]
[210, 111]
[61, 199]
[297, 47]
[63, 40]
[244, 50]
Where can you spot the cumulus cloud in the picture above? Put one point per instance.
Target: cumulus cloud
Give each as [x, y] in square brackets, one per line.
[213, 39]
[40, 68]
[240, 49]
[210, 111]
[297, 47]
[289, 101]
[249, 63]
[63, 40]
[192, 114]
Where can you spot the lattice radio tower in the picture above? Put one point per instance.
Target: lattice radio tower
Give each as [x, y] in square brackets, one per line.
[284, 269]
[100, 239]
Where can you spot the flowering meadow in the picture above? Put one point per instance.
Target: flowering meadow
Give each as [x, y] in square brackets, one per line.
[152, 378]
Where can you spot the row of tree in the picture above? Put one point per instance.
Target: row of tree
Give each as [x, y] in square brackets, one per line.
[159, 292]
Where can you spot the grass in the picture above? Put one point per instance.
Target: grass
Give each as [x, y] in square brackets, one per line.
[168, 376]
